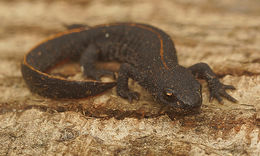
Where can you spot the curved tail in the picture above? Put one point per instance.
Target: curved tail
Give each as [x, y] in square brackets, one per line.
[55, 87]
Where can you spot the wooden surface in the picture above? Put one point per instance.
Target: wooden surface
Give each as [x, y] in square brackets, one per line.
[224, 34]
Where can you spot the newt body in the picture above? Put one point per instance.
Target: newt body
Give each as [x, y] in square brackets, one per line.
[147, 55]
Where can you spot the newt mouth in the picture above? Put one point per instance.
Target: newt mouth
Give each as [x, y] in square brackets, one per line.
[181, 106]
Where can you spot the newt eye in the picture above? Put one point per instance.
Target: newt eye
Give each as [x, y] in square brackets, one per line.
[168, 92]
[169, 95]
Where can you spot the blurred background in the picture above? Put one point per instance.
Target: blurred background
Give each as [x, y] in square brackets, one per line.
[223, 33]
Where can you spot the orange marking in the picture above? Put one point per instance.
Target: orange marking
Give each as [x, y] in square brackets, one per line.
[50, 38]
[147, 28]
[160, 38]
[82, 29]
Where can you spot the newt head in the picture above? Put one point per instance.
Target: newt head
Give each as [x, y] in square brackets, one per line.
[179, 89]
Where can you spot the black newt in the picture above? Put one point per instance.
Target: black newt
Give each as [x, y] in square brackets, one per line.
[147, 55]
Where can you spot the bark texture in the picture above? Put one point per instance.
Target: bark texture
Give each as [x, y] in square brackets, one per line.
[224, 34]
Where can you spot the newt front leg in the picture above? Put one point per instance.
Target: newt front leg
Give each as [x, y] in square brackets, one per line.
[125, 72]
[216, 88]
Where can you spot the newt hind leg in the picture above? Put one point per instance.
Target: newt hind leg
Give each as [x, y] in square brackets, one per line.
[87, 62]
[216, 88]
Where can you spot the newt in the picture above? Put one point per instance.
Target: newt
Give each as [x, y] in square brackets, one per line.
[146, 53]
